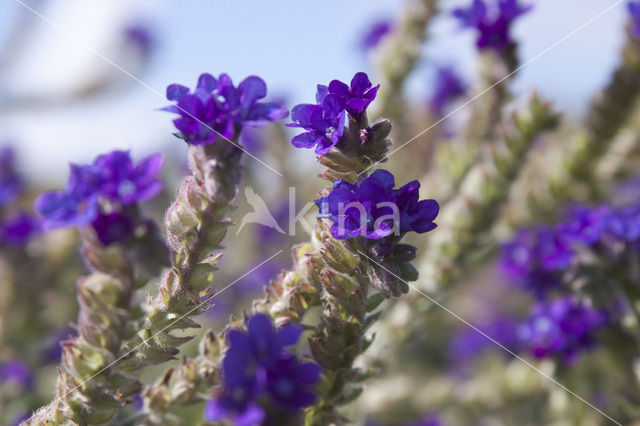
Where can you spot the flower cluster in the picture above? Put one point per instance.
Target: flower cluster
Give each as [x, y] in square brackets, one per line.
[259, 372]
[373, 209]
[543, 258]
[538, 256]
[563, 327]
[448, 87]
[535, 258]
[324, 121]
[103, 194]
[494, 27]
[216, 108]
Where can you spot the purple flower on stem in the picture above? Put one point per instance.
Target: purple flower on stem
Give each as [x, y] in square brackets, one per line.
[372, 208]
[324, 123]
[563, 327]
[17, 373]
[18, 229]
[493, 28]
[634, 10]
[10, 181]
[125, 182]
[98, 194]
[448, 86]
[356, 97]
[258, 371]
[216, 108]
[374, 34]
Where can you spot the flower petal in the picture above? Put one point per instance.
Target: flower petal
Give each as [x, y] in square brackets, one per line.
[176, 91]
[360, 83]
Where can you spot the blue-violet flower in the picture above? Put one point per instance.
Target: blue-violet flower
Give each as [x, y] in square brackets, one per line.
[448, 86]
[97, 194]
[216, 108]
[563, 327]
[356, 97]
[324, 123]
[535, 257]
[493, 26]
[374, 34]
[373, 209]
[18, 228]
[17, 373]
[259, 372]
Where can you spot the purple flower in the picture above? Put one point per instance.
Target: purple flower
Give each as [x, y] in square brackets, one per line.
[113, 227]
[217, 108]
[415, 216]
[535, 257]
[17, 373]
[290, 383]
[634, 10]
[97, 192]
[448, 86]
[125, 182]
[140, 36]
[18, 229]
[356, 97]
[374, 209]
[493, 28]
[10, 182]
[258, 371]
[589, 226]
[262, 342]
[624, 224]
[324, 123]
[374, 34]
[563, 327]
[586, 225]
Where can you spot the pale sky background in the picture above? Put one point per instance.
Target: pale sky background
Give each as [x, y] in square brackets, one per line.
[291, 44]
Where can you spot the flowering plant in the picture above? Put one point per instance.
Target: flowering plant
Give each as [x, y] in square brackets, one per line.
[500, 253]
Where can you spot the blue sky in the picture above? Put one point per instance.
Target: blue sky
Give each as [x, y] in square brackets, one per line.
[293, 45]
